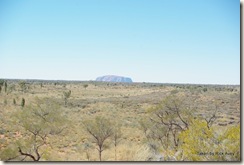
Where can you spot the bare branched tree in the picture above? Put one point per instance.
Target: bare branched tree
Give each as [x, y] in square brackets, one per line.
[212, 118]
[100, 130]
[167, 119]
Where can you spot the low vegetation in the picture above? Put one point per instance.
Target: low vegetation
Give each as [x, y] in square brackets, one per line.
[101, 121]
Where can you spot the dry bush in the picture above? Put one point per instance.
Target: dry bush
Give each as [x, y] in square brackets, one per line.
[133, 152]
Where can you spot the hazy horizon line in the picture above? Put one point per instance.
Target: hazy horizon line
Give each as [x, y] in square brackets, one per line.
[185, 83]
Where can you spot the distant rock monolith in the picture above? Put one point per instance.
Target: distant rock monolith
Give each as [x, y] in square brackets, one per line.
[113, 78]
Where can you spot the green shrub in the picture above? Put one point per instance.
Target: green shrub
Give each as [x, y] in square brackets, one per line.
[22, 102]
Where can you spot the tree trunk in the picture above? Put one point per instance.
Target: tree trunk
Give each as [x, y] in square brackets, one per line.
[115, 153]
[100, 154]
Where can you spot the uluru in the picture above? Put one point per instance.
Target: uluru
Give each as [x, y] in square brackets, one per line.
[113, 78]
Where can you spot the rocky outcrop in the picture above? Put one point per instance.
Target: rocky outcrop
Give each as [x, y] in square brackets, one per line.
[113, 78]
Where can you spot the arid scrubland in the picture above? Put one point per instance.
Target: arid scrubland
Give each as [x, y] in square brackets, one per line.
[93, 121]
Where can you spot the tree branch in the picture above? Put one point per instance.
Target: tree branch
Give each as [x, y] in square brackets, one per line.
[26, 154]
[212, 119]
[182, 119]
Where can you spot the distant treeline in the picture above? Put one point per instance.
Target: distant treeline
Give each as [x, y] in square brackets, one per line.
[141, 84]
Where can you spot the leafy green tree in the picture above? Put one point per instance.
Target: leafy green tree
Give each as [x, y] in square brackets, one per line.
[38, 122]
[100, 130]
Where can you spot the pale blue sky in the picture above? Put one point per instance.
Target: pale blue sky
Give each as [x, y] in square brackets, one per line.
[166, 41]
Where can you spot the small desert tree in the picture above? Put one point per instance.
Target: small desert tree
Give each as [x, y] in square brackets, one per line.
[11, 88]
[14, 101]
[5, 86]
[1, 84]
[66, 95]
[85, 86]
[165, 122]
[173, 126]
[155, 134]
[87, 149]
[205, 89]
[38, 122]
[22, 85]
[172, 116]
[100, 130]
[22, 104]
